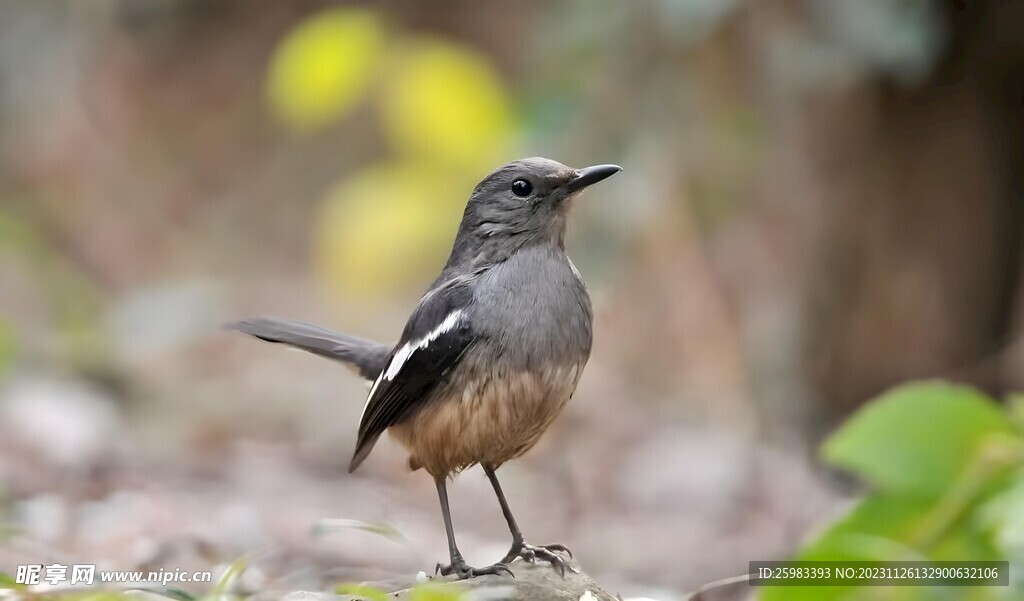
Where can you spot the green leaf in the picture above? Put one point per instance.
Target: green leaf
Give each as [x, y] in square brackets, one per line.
[361, 590]
[8, 582]
[171, 592]
[1003, 517]
[436, 592]
[1015, 407]
[879, 528]
[233, 572]
[325, 527]
[180, 594]
[917, 438]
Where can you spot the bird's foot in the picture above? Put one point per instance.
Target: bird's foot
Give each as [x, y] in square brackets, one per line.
[549, 553]
[462, 571]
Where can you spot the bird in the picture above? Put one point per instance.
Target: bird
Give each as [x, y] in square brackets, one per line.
[492, 351]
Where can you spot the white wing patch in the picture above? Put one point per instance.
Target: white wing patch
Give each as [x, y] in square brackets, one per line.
[403, 354]
[575, 272]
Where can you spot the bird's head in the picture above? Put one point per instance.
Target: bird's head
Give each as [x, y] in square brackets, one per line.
[520, 203]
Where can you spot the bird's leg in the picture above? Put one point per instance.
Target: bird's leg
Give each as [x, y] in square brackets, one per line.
[458, 564]
[519, 547]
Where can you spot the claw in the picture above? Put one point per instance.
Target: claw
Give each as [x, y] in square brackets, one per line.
[463, 571]
[559, 547]
[530, 553]
[559, 564]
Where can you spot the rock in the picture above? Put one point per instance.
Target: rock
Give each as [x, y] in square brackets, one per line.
[43, 518]
[532, 582]
[64, 423]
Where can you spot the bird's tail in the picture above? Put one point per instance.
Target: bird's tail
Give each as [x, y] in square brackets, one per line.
[365, 356]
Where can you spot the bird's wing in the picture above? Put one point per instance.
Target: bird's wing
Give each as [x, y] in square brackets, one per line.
[366, 356]
[435, 338]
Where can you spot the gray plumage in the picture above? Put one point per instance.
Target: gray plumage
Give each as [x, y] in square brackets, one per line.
[494, 348]
[367, 357]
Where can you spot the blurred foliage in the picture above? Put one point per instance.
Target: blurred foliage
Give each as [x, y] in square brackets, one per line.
[946, 465]
[230, 575]
[435, 592]
[323, 67]
[446, 103]
[446, 115]
[74, 297]
[361, 590]
[329, 526]
[9, 582]
[385, 226]
[93, 596]
[900, 38]
[892, 443]
[8, 347]
[428, 591]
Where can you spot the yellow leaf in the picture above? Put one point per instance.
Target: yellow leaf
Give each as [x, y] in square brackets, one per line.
[387, 228]
[324, 66]
[446, 102]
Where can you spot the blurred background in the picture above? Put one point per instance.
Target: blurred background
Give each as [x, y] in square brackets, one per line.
[821, 199]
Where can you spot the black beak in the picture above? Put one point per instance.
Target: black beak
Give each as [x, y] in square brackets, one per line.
[591, 175]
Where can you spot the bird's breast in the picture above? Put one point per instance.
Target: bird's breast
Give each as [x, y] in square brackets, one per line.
[486, 416]
[534, 311]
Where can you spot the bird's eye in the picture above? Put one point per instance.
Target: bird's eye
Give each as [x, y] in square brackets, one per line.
[521, 187]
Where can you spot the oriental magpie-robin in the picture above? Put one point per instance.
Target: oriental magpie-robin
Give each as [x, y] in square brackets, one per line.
[491, 353]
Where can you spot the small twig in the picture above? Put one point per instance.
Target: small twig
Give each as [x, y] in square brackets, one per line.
[701, 594]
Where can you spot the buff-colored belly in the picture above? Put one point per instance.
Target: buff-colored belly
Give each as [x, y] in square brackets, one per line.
[491, 420]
